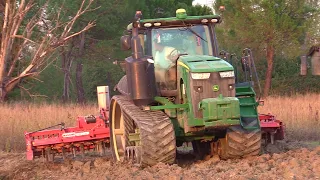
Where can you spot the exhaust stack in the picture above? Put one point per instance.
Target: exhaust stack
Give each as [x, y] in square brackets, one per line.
[140, 73]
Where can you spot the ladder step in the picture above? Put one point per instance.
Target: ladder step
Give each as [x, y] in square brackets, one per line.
[247, 104]
[244, 93]
[250, 116]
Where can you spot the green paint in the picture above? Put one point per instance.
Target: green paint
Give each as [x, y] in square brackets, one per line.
[222, 123]
[135, 137]
[248, 105]
[204, 63]
[169, 106]
[224, 109]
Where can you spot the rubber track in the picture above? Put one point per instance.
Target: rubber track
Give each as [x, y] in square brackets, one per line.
[241, 143]
[157, 136]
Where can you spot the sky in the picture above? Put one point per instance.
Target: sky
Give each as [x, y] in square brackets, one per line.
[203, 2]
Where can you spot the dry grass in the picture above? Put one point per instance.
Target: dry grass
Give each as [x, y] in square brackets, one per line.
[300, 113]
[17, 118]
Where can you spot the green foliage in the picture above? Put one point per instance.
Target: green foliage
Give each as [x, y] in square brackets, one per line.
[99, 69]
[256, 24]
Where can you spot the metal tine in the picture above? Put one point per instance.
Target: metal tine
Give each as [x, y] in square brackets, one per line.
[82, 150]
[63, 151]
[73, 151]
[102, 148]
[132, 154]
[128, 153]
[43, 155]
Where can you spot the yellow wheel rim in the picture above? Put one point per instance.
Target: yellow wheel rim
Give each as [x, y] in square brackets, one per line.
[118, 135]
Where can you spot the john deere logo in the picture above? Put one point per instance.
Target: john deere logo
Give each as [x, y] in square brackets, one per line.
[215, 88]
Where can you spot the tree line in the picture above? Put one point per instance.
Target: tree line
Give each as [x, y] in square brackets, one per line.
[61, 50]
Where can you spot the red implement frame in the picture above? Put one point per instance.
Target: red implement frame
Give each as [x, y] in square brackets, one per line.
[272, 129]
[92, 132]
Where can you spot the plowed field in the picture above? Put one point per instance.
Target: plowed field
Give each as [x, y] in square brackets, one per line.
[285, 160]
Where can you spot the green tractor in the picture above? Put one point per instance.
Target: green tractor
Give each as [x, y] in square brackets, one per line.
[179, 88]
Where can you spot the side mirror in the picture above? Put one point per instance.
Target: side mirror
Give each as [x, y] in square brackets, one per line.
[126, 42]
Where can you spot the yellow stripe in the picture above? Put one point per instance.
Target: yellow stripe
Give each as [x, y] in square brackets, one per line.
[113, 135]
[183, 65]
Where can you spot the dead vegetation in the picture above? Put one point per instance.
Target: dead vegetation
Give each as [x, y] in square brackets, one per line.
[20, 117]
[299, 113]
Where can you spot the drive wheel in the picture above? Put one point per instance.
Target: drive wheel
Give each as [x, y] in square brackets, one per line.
[120, 127]
[239, 143]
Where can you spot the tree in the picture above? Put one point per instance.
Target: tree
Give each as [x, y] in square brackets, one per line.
[30, 41]
[109, 17]
[275, 27]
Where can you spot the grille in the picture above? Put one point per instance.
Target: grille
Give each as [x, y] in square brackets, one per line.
[203, 88]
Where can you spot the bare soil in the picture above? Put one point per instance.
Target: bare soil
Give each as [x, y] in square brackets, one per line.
[284, 160]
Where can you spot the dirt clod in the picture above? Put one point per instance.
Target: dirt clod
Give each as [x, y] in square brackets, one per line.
[77, 165]
[291, 162]
[86, 167]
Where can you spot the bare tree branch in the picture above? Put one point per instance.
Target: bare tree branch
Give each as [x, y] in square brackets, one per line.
[30, 46]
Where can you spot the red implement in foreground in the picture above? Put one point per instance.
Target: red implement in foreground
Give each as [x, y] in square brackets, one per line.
[271, 128]
[92, 132]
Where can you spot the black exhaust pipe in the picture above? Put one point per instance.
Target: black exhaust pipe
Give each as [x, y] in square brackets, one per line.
[140, 73]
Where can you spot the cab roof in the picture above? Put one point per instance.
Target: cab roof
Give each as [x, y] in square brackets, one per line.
[174, 21]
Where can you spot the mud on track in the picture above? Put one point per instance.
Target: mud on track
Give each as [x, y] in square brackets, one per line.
[286, 160]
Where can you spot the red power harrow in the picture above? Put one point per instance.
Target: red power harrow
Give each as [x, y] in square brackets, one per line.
[91, 133]
[272, 129]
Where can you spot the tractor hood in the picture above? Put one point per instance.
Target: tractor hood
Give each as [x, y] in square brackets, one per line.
[204, 63]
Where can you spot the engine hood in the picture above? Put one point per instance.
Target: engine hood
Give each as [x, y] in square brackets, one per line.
[204, 63]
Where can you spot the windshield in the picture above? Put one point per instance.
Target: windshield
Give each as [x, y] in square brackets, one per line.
[168, 43]
[194, 40]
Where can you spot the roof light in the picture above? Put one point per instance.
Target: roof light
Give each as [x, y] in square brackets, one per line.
[147, 25]
[204, 20]
[214, 20]
[181, 13]
[157, 24]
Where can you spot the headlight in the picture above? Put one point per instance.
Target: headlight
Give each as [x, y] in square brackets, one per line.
[226, 74]
[200, 75]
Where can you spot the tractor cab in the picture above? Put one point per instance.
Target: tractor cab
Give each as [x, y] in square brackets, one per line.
[165, 40]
